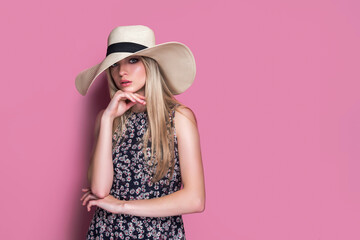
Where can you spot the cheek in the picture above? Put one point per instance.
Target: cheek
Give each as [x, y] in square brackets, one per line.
[140, 72]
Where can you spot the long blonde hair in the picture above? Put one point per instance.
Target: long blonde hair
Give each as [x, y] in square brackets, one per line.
[160, 132]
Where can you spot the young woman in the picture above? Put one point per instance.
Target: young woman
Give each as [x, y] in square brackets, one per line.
[146, 167]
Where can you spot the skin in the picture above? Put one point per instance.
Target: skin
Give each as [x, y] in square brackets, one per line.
[190, 199]
[100, 172]
[132, 69]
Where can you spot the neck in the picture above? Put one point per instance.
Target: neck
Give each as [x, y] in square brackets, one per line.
[138, 108]
[141, 91]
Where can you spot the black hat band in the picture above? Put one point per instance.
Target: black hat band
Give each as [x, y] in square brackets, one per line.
[124, 47]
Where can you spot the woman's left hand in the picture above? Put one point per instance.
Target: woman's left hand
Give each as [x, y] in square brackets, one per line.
[108, 203]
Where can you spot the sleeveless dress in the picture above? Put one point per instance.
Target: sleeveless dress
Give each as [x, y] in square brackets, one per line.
[132, 181]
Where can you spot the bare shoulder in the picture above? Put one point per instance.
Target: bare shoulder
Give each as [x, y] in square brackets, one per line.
[185, 114]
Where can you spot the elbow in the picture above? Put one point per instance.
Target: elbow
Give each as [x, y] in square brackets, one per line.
[100, 189]
[199, 205]
[100, 193]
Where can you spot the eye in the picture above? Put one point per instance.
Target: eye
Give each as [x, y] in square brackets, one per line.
[114, 65]
[133, 60]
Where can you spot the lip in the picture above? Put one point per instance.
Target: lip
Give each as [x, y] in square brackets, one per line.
[125, 82]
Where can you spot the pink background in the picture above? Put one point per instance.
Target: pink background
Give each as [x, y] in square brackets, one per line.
[276, 97]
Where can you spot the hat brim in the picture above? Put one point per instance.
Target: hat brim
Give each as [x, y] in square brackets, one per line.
[175, 59]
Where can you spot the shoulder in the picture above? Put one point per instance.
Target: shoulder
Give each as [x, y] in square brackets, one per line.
[184, 113]
[184, 118]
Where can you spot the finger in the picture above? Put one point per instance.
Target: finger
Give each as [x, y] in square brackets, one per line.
[130, 97]
[85, 189]
[121, 96]
[139, 95]
[118, 93]
[85, 195]
[91, 203]
[139, 99]
[88, 198]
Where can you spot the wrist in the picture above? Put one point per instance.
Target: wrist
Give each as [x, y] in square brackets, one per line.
[107, 117]
[120, 207]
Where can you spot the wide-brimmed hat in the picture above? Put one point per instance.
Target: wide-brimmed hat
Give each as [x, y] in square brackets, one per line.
[175, 59]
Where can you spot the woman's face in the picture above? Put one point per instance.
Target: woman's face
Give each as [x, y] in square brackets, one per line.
[129, 74]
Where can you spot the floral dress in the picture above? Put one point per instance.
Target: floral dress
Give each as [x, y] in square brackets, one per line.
[132, 181]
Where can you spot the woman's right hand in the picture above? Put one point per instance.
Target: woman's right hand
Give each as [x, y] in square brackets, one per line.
[121, 102]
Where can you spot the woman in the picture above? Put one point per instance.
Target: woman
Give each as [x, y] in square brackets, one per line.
[146, 168]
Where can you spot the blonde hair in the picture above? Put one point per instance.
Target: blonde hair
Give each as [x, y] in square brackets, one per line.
[160, 132]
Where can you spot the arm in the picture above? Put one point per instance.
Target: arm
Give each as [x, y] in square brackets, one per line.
[96, 135]
[100, 172]
[191, 198]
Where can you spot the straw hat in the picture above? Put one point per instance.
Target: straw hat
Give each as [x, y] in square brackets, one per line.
[176, 61]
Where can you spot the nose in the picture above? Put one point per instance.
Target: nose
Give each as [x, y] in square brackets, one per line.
[122, 69]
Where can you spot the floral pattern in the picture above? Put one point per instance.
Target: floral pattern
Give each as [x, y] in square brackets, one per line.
[132, 181]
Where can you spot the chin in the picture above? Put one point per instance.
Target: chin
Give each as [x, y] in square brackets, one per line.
[132, 89]
[127, 89]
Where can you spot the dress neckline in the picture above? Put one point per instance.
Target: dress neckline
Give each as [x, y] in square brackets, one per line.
[137, 113]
